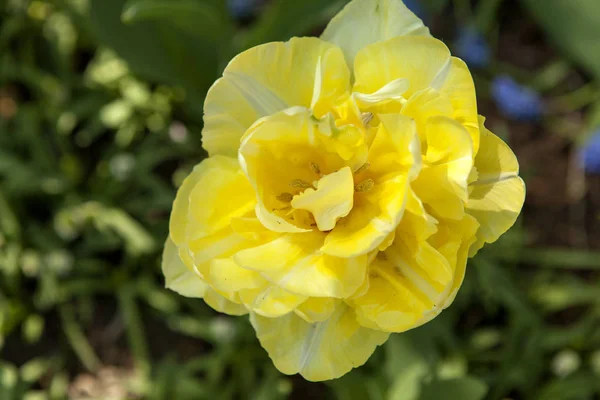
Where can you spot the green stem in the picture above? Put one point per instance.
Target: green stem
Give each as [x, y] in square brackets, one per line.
[579, 98]
[135, 328]
[77, 339]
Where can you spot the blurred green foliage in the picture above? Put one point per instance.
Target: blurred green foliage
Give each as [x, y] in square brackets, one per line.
[100, 120]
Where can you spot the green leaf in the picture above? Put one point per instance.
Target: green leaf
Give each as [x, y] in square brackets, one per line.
[574, 25]
[158, 48]
[184, 14]
[467, 388]
[286, 18]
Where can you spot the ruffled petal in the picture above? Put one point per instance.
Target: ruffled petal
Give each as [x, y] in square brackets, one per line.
[453, 240]
[331, 200]
[364, 22]
[423, 61]
[295, 263]
[443, 181]
[317, 309]
[266, 79]
[183, 280]
[459, 87]
[392, 303]
[394, 158]
[222, 192]
[497, 195]
[178, 277]
[271, 301]
[320, 351]
[287, 155]
[223, 305]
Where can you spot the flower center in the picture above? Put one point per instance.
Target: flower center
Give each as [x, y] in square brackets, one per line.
[329, 198]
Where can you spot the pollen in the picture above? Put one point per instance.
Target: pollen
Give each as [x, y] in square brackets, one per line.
[363, 168]
[314, 167]
[285, 197]
[300, 184]
[367, 118]
[364, 186]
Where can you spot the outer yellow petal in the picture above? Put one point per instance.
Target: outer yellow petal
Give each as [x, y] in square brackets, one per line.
[269, 78]
[270, 300]
[295, 263]
[222, 244]
[459, 87]
[180, 213]
[426, 104]
[226, 276]
[453, 240]
[182, 280]
[319, 351]
[424, 61]
[442, 183]
[363, 22]
[223, 305]
[221, 193]
[317, 309]
[178, 277]
[408, 283]
[392, 303]
[498, 194]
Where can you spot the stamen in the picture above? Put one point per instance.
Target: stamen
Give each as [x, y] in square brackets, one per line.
[364, 186]
[367, 118]
[300, 184]
[285, 197]
[363, 168]
[314, 167]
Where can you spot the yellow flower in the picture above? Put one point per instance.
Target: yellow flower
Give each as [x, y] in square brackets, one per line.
[349, 179]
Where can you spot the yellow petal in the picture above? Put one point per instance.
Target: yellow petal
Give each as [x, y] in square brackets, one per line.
[222, 244]
[295, 263]
[178, 277]
[271, 301]
[320, 351]
[285, 154]
[498, 194]
[394, 157]
[226, 276]
[180, 212]
[331, 201]
[442, 183]
[392, 91]
[221, 304]
[363, 22]
[374, 217]
[392, 303]
[453, 240]
[460, 89]
[222, 192]
[395, 148]
[317, 309]
[423, 61]
[267, 79]
[426, 104]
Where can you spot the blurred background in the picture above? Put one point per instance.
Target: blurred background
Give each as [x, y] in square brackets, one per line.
[101, 119]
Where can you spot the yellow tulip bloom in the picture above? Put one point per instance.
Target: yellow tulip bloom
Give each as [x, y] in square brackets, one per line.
[349, 179]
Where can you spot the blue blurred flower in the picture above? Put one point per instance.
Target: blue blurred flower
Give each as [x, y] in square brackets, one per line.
[590, 154]
[472, 47]
[417, 8]
[243, 8]
[516, 101]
